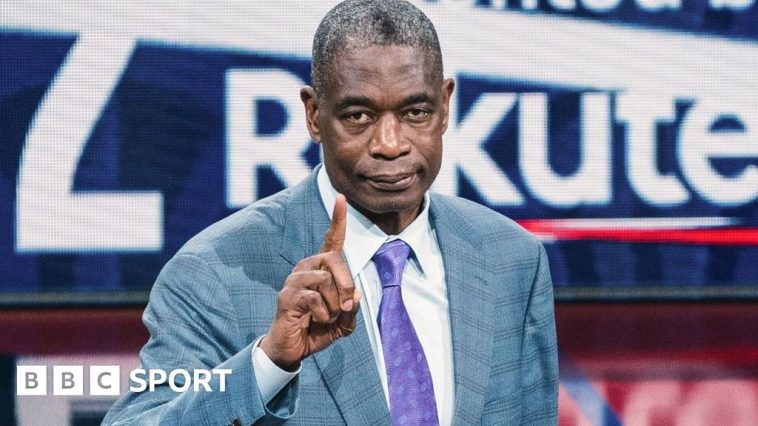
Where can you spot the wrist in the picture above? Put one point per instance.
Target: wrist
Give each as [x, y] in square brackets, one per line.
[289, 366]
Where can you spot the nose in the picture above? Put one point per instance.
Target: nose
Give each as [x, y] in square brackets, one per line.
[388, 141]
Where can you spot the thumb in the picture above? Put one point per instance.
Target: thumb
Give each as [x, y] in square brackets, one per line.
[346, 320]
[334, 239]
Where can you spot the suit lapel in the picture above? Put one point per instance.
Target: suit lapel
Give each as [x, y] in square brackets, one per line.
[347, 366]
[349, 370]
[471, 307]
[305, 222]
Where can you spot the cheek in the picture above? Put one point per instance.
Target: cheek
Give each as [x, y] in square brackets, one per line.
[427, 140]
[431, 149]
[341, 155]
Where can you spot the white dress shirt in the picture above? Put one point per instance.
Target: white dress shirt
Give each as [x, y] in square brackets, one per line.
[424, 293]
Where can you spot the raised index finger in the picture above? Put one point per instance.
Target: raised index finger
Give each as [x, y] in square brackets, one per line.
[334, 239]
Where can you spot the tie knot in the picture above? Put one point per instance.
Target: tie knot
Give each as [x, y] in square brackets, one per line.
[390, 261]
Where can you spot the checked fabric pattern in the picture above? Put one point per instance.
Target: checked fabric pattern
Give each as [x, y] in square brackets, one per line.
[408, 378]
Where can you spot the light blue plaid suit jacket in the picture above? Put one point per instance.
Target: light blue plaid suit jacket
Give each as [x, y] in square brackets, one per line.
[218, 294]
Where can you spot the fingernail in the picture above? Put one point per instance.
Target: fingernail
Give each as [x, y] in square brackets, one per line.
[347, 305]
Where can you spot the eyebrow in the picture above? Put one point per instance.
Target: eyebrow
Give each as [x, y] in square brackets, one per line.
[354, 101]
[416, 98]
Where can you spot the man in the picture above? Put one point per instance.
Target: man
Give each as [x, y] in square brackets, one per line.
[402, 307]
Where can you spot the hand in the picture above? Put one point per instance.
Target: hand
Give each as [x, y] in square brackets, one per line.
[318, 303]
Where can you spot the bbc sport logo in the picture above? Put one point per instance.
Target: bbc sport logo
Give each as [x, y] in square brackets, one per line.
[69, 380]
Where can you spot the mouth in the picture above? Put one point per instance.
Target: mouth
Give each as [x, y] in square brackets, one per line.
[392, 182]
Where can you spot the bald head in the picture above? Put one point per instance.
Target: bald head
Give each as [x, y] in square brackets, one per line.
[356, 24]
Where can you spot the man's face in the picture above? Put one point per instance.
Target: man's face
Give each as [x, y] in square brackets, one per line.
[381, 121]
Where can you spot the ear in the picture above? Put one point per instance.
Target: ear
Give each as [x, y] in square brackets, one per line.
[447, 92]
[310, 102]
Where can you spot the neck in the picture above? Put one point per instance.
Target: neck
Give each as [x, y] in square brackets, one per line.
[391, 223]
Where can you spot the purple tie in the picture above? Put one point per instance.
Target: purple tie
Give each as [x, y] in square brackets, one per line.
[408, 378]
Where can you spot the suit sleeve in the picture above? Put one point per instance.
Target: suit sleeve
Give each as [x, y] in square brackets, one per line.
[539, 351]
[192, 325]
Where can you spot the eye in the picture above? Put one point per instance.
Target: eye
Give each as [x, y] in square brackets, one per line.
[358, 117]
[417, 114]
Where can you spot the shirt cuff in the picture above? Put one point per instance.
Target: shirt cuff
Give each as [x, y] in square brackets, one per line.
[269, 377]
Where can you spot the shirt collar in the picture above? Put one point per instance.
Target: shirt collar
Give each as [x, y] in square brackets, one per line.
[363, 238]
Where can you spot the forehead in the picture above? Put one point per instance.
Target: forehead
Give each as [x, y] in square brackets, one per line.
[381, 71]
